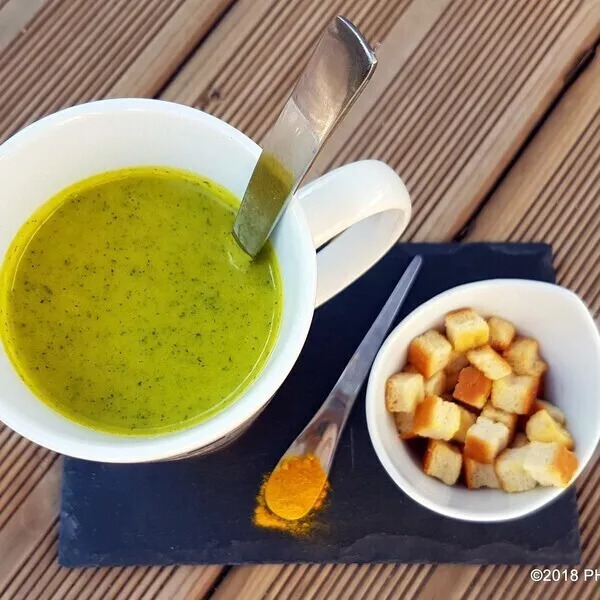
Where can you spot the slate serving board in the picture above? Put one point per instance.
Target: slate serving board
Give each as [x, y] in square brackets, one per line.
[198, 511]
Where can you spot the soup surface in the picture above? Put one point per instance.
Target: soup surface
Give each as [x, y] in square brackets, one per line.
[128, 307]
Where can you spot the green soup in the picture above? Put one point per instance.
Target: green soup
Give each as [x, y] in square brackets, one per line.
[128, 307]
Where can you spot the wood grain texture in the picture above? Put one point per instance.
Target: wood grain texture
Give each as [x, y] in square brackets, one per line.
[321, 582]
[246, 68]
[553, 193]
[29, 525]
[159, 58]
[466, 100]
[14, 17]
[74, 51]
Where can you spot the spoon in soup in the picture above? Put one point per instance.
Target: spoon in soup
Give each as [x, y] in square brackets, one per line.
[337, 72]
[317, 443]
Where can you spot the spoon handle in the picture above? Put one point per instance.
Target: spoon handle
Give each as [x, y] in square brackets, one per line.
[321, 435]
[336, 73]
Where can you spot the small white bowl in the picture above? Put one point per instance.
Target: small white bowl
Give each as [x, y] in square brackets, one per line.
[570, 344]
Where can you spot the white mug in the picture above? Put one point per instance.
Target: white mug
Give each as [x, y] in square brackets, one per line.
[365, 202]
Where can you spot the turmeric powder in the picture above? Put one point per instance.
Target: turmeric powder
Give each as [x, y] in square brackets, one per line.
[291, 492]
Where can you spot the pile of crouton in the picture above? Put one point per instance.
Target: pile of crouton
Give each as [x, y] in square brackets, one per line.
[474, 393]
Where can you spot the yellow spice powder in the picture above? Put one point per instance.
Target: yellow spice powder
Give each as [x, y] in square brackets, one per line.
[290, 494]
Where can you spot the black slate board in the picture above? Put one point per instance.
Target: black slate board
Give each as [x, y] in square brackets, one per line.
[199, 510]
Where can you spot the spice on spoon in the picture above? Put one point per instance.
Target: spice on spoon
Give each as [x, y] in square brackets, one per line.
[292, 491]
[299, 480]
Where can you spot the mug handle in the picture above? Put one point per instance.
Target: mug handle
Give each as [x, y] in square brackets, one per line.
[369, 203]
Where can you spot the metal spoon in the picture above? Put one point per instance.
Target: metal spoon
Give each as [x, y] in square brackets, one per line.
[336, 73]
[321, 436]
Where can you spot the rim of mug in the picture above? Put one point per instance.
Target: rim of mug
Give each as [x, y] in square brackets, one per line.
[129, 449]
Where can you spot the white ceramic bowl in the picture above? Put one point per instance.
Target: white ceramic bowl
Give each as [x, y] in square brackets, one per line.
[570, 344]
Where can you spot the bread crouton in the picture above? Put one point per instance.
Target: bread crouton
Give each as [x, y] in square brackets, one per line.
[538, 368]
[408, 368]
[541, 427]
[451, 381]
[550, 464]
[404, 391]
[555, 412]
[458, 361]
[522, 422]
[473, 387]
[500, 416]
[436, 384]
[502, 333]
[521, 355]
[510, 469]
[467, 419]
[429, 352]
[489, 362]
[515, 393]
[404, 424]
[479, 475]
[485, 439]
[466, 329]
[443, 461]
[519, 440]
[436, 418]
[541, 382]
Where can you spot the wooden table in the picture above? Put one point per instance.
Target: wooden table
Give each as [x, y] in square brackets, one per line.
[489, 110]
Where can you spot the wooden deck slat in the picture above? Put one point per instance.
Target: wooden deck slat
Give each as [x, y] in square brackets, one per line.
[154, 582]
[309, 582]
[303, 574]
[36, 516]
[194, 83]
[19, 484]
[80, 582]
[446, 180]
[79, 51]
[556, 200]
[37, 72]
[441, 51]
[23, 582]
[255, 114]
[110, 58]
[15, 15]
[44, 579]
[17, 41]
[256, 69]
[351, 575]
[188, 582]
[18, 62]
[173, 42]
[463, 126]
